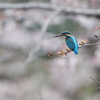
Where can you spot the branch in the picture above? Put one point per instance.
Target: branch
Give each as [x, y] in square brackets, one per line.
[96, 82]
[32, 53]
[64, 53]
[27, 6]
[91, 44]
[47, 6]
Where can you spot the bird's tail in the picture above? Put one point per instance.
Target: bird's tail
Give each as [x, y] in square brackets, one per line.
[76, 52]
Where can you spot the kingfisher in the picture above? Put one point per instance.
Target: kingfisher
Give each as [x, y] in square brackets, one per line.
[70, 41]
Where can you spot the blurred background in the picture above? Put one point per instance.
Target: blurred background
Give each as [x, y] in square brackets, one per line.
[26, 31]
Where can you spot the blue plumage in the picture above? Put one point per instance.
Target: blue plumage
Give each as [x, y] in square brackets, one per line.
[72, 44]
[70, 41]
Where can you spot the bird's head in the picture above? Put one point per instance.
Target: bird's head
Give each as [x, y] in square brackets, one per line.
[64, 35]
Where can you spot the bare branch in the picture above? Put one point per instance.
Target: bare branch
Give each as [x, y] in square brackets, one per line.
[51, 17]
[91, 44]
[32, 53]
[46, 6]
[27, 6]
[96, 37]
[95, 80]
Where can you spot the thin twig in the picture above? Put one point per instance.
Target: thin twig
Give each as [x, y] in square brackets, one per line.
[95, 80]
[97, 37]
[91, 44]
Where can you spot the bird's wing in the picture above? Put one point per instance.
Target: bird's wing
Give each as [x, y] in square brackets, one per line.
[72, 43]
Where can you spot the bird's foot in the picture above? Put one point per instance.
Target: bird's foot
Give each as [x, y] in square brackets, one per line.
[68, 50]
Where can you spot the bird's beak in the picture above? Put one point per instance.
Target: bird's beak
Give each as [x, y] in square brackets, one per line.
[57, 36]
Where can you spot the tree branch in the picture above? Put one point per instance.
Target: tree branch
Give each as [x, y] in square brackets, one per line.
[32, 55]
[31, 5]
[46, 6]
[91, 44]
[96, 82]
[64, 53]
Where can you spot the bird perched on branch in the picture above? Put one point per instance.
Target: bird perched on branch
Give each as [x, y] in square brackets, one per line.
[70, 41]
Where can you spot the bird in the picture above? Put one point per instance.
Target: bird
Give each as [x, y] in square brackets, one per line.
[70, 41]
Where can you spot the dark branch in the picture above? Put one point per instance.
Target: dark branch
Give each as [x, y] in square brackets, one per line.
[95, 80]
[96, 37]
